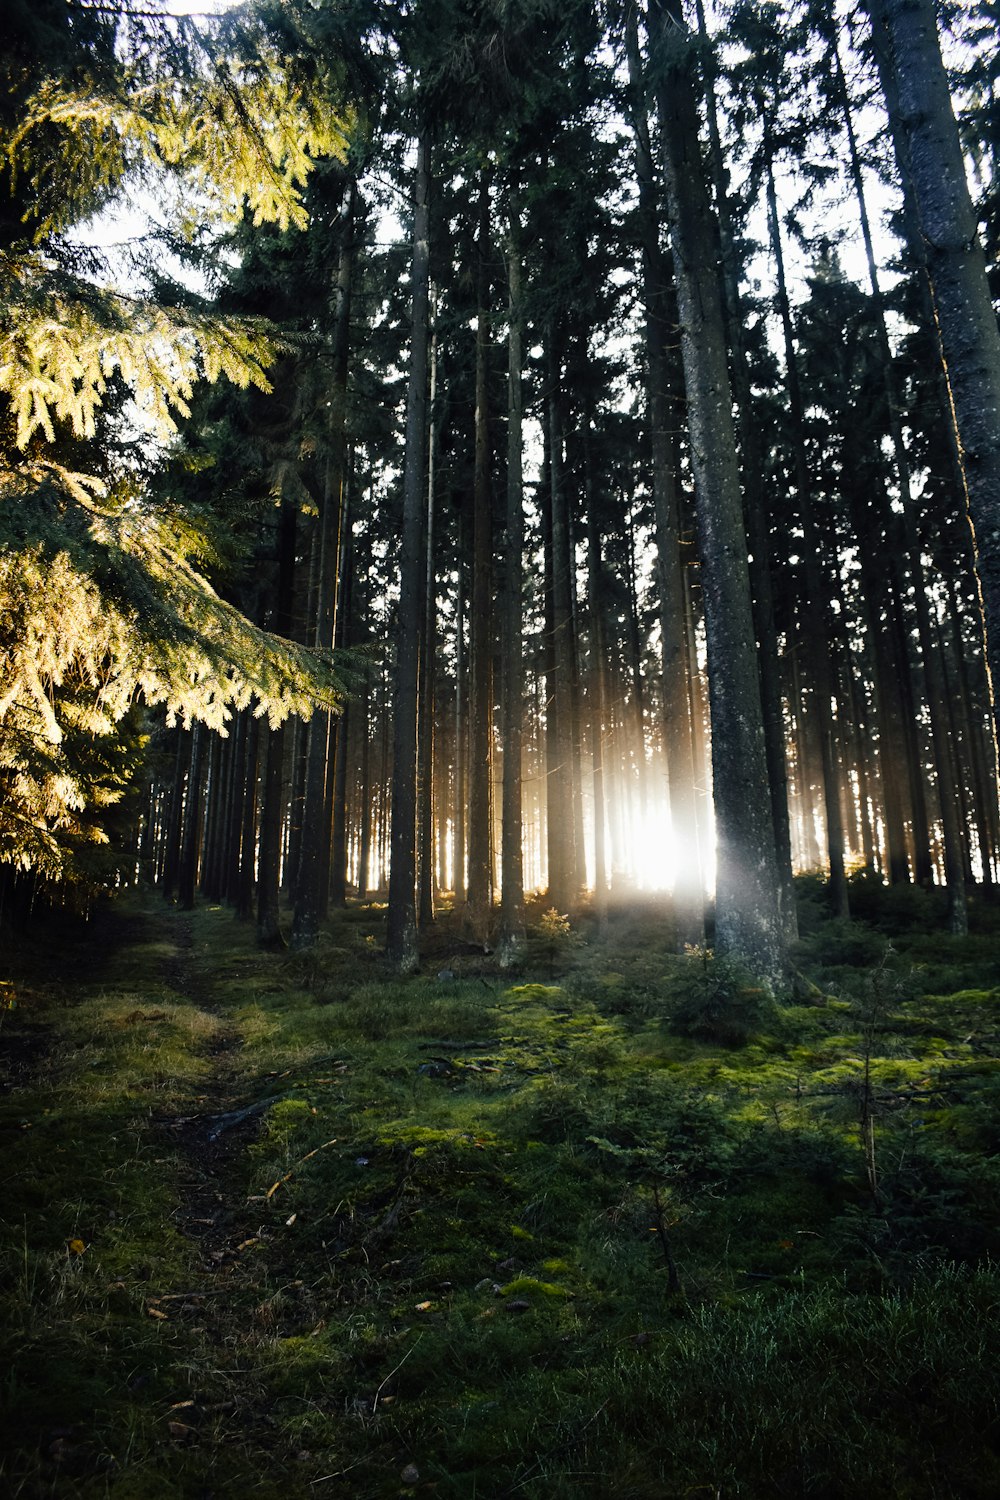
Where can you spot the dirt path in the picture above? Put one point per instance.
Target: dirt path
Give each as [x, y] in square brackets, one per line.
[212, 1139]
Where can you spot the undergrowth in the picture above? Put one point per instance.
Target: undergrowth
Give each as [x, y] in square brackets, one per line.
[619, 1226]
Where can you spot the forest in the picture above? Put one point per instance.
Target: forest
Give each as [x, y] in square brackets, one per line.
[499, 819]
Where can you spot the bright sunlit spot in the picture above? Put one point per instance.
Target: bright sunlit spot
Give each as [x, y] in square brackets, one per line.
[651, 846]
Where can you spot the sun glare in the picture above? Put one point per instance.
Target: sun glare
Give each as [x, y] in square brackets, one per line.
[652, 847]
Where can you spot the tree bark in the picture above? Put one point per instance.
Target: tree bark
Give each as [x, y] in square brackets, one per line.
[816, 604]
[314, 862]
[748, 916]
[956, 269]
[273, 792]
[191, 841]
[563, 881]
[401, 942]
[909, 551]
[479, 895]
[511, 942]
[595, 681]
[755, 510]
[426, 790]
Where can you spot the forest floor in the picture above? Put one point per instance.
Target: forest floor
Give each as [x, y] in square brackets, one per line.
[281, 1224]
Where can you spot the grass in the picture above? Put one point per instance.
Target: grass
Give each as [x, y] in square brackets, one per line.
[282, 1224]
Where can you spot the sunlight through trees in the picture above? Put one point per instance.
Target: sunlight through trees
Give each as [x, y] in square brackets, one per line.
[527, 425]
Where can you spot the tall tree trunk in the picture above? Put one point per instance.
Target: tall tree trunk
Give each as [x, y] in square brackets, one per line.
[816, 604]
[956, 269]
[336, 861]
[595, 679]
[191, 839]
[248, 834]
[314, 864]
[970, 674]
[563, 882]
[212, 835]
[273, 792]
[637, 686]
[511, 942]
[755, 510]
[365, 816]
[236, 798]
[338, 774]
[461, 717]
[909, 549]
[175, 817]
[425, 749]
[479, 896]
[748, 917]
[401, 943]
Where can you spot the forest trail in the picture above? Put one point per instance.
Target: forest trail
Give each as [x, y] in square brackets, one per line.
[210, 1135]
[127, 1067]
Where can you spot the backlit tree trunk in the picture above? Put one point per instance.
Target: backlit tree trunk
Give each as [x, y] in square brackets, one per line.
[402, 921]
[956, 270]
[748, 917]
[480, 870]
[314, 849]
[512, 930]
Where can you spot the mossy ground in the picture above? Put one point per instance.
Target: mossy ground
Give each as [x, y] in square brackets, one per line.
[620, 1226]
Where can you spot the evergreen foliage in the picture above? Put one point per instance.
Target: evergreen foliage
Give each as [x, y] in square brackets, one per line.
[103, 606]
[672, 635]
[516, 348]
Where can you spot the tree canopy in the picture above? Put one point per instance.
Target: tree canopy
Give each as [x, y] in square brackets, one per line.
[104, 601]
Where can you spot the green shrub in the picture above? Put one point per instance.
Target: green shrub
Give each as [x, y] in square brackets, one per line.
[717, 1001]
[896, 909]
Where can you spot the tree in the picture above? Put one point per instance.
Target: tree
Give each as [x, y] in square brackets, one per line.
[314, 853]
[511, 939]
[402, 928]
[102, 599]
[689, 887]
[748, 920]
[927, 139]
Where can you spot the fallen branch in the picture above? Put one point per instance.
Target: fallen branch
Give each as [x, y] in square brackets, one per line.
[447, 1044]
[292, 1171]
[237, 1116]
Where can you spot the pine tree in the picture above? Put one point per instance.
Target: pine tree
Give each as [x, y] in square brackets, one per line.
[102, 600]
[748, 921]
[949, 248]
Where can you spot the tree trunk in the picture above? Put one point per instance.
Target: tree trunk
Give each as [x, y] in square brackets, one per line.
[191, 841]
[816, 604]
[956, 269]
[563, 883]
[479, 896]
[248, 835]
[272, 810]
[425, 749]
[175, 818]
[595, 680]
[461, 700]
[401, 944]
[236, 794]
[511, 943]
[314, 862]
[748, 916]
[342, 731]
[909, 551]
[755, 510]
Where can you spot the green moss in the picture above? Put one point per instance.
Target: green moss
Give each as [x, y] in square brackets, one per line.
[340, 1275]
[529, 1286]
[543, 993]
